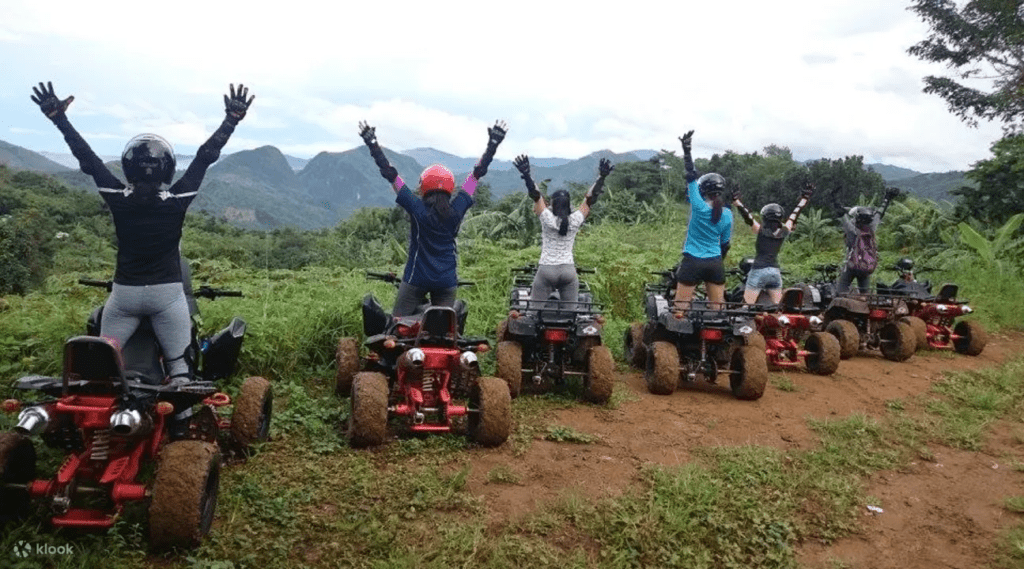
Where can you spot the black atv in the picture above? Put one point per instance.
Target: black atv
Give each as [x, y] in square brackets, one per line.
[697, 343]
[415, 368]
[545, 342]
[871, 321]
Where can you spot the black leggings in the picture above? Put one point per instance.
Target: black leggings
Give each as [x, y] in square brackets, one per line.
[847, 276]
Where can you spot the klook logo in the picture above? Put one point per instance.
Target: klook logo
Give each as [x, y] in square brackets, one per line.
[26, 549]
[22, 549]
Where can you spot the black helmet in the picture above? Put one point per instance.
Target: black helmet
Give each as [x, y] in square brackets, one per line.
[772, 212]
[148, 158]
[905, 264]
[862, 215]
[711, 185]
[745, 264]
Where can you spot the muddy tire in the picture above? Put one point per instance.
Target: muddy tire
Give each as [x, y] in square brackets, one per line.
[600, 378]
[17, 466]
[501, 331]
[662, 368]
[491, 423]
[848, 336]
[368, 421]
[823, 356]
[972, 337]
[748, 372]
[346, 359]
[633, 346]
[509, 356]
[897, 341]
[184, 495]
[920, 330]
[756, 339]
[250, 421]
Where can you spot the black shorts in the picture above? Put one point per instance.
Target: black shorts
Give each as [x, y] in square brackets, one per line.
[693, 270]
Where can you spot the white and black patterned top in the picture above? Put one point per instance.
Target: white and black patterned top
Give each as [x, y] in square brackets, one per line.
[556, 249]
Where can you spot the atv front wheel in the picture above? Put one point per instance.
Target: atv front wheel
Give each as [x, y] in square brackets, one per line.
[600, 376]
[822, 353]
[897, 341]
[250, 421]
[662, 373]
[17, 466]
[347, 360]
[501, 331]
[510, 365]
[490, 418]
[848, 336]
[748, 372]
[920, 330]
[634, 348]
[184, 494]
[368, 421]
[969, 337]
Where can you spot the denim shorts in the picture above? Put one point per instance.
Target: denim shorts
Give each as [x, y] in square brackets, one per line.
[767, 278]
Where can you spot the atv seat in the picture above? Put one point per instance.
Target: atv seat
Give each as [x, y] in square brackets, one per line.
[439, 326]
[92, 359]
[947, 293]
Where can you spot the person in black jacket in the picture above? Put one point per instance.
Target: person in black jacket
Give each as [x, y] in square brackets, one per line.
[148, 213]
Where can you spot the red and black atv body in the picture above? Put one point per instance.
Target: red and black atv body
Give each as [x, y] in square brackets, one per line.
[792, 323]
[114, 415]
[416, 369]
[546, 342]
[933, 317]
[863, 321]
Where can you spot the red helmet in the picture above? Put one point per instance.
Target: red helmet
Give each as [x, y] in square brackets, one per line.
[437, 177]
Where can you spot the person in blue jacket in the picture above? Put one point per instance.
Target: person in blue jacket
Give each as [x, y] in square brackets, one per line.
[708, 234]
[435, 217]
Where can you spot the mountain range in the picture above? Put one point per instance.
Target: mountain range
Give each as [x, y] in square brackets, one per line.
[263, 188]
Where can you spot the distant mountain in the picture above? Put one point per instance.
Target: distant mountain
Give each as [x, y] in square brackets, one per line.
[892, 173]
[68, 160]
[582, 170]
[296, 163]
[347, 181]
[934, 186]
[428, 156]
[24, 159]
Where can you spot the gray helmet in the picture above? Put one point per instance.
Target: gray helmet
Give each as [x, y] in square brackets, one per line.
[711, 185]
[772, 212]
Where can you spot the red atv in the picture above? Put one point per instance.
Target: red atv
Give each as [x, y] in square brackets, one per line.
[794, 322]
[416, 369]
[114, 415]
[933, 316]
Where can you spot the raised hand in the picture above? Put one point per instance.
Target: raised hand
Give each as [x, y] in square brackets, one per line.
[808, 191]
[368, 134]
[891, 193]
[604, 167]
[687, 140]
[236, 105]
[496, 133]
[48, 102]
[522, 163]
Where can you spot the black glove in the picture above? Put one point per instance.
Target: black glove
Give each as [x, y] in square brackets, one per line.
[808, 191]
[691, 171]
[687, 140]
[48, 102]
[495, 135]
[236, 105]
[369, 136]
[891, 193]
[522, 163]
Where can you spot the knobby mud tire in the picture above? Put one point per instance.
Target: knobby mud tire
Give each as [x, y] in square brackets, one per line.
[897, 341]
[368, 421]
[633, 346]
[662, 369]
[491, 424]
[17, 466]
[824, 349]
[848, 336]
[254, 408]
[749, 373]
[501, 331]
[972, 337]
[346, 359]
[920, 330]
[600, 379]
[509, 356]
[184, 495]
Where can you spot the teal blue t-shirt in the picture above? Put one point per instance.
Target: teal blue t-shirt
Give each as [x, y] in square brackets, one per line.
[704, 239]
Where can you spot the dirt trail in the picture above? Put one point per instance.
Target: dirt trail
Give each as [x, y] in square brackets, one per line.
[937, 514]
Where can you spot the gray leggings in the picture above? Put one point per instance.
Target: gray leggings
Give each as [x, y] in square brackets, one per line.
[562, 278]
[410, 298]
[167, 309]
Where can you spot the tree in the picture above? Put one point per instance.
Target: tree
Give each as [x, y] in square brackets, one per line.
[983, 40]
[1000, 179]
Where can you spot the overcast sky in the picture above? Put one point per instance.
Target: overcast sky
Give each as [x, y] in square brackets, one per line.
[826, 78]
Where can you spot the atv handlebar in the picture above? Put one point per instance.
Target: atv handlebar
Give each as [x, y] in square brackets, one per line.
[212, 293]
[397, 280]
[109, 285]
[533, 269]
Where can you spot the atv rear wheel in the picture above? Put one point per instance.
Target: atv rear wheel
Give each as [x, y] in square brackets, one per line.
[756, 339]
[17, 466]
[920, 330]
[823, 353]
[972, 337]
[501, 331]
[600, 378]
[848, 336]
[184, 494]
[250, 421]
[510, 365]
[347, 362]
[368, 421]
[662, 373]
[491, 423]
[748, 372]
[897, 341]
[634, 348]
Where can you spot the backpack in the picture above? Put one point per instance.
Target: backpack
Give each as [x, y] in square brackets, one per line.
[863, 255]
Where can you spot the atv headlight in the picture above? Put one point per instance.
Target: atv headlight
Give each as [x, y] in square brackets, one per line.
[783, 320]
[746, 330]
[815, 321]
[966, 309]
[941, 308]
